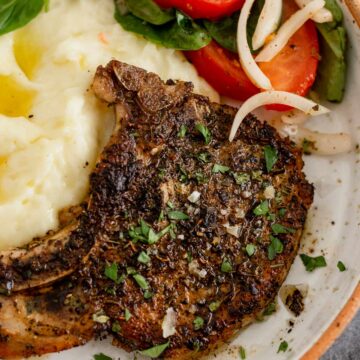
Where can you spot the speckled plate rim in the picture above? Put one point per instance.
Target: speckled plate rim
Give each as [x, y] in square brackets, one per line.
[352, 306]
[336, 328]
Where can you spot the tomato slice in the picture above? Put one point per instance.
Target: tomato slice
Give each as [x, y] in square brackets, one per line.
[222, 70]
[293, 69]
[204, 9]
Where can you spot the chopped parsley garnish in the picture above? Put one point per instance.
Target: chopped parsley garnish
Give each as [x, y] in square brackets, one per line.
[111, 271]
[184, 177]
[130, 271]
[198, 323]
[141, 281]
[100, 317]
[182, 131]
[250, 249]
[271, 157]
[127, 314]
[226, 266]
[189, 256]
[307, 146]
[116, 328]
[276, 247]
[242, 353]
[143, 258]
[241, 178]
[270, 309]
[214, 305]
[204, 131]
[282, 212]
[148, 294]
[200, 177]
[283, 346]
[311, 263]
[341, 266]
[281, 229]
[102, 356]
[155, 351]
[177, 215]
[257, 175]
[262, 208]
[217, 168]
[153, 237]
[203, 157]
[146, 234]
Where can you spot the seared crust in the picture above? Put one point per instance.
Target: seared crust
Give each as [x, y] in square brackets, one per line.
[199, 267]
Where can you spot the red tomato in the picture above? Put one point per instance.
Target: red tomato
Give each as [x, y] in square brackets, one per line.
[293, 69]
[222, 70]
[204, 9]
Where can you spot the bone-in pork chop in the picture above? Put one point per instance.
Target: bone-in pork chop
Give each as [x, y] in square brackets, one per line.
[184, 239]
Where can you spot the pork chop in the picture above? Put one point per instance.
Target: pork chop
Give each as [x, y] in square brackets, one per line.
[186, 237]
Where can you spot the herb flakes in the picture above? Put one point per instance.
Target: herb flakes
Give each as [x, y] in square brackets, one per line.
[250, 249]
[127, 314]
[198, 323]
[311, 263]
[143, 258]
[177, 215]
[276, 247]
[242, 353]
[226, 266]
[217, 168]
[204, 131]
[271, 157]
[214, 306]
[182, 131]
[141, 281]
[116, 328]
[155, 351]
[283, 346]
[102, 356]
[341, 266]
[111, 271]
[281, 229]
[262, 208]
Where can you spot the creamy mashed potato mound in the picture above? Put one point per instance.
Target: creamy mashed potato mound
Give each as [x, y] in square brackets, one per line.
[51, 126]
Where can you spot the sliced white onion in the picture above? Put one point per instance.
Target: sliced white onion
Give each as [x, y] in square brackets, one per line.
[319, 143]
[321, 16]
[275, 97]
[294, 117]
[252, 70]
[268, 22]
[288, 29]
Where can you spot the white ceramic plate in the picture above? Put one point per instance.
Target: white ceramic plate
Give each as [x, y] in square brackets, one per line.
[332, 230]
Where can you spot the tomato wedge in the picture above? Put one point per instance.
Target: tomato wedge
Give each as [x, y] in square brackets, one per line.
[204, 9]
[222, 70]
[293, 69]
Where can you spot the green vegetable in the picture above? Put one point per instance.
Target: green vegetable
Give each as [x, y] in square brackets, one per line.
[177, 215]
[281, 229]
[111, 271]
[203, 157]
[283, 346]
[341, 266]
[144, 258]
[276, 247]
[217, 168]
[330, 81]
[241, 178]
[116, 328]
[155, 351]
[181, 34]
[270, 309]
[224, 31]
[127, 314]
[198, 323]
[214, 305]
[102, 356]
[262, 208]
[15, 14]
[204, 131]
[242, 353]
[141, 281]
[149, 11]
[270, 157]
[148, 294]
[226, 266]
[311, 263]
[182, 131]
[250, 249]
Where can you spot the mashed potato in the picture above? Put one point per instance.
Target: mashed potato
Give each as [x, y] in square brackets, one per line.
[51, 126]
